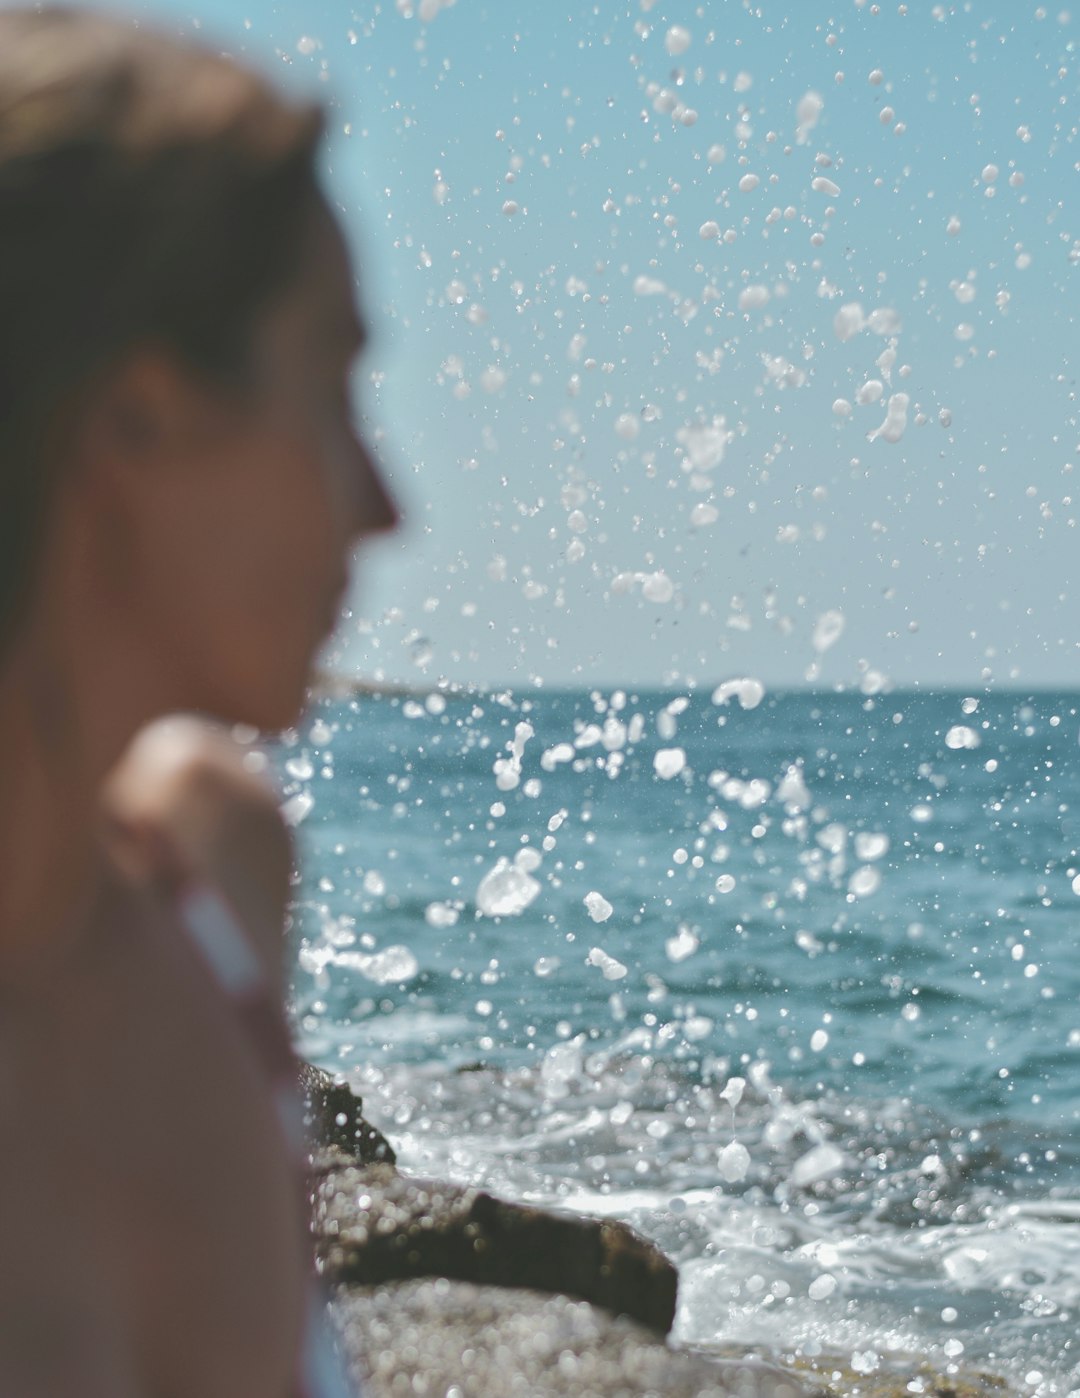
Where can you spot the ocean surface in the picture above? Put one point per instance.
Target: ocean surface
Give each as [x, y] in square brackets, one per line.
[789, 981]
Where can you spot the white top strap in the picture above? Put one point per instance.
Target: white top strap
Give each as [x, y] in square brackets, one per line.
[221, 940]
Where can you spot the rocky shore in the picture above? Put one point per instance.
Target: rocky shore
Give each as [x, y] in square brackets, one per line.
[446, 1291]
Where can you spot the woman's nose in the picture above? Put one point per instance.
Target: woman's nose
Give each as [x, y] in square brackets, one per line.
[375, 510]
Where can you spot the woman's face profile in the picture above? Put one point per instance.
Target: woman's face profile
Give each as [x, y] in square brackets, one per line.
[246, 523]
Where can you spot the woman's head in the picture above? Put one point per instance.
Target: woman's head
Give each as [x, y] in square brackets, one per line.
[169, 281]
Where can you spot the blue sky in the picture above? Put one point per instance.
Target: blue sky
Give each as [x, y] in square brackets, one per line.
[603, 267]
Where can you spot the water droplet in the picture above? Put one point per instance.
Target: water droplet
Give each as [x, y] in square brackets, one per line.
[669, 762]
[609, 968]
[506, 890]
[734, 1162]
[677, 40]
[598, 907]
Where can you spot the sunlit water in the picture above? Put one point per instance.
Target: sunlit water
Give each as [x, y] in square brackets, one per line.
[793, 987]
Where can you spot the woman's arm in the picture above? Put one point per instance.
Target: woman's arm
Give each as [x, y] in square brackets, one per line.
[50, 1349]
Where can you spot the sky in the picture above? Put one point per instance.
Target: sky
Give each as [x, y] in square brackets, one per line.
[708, 340]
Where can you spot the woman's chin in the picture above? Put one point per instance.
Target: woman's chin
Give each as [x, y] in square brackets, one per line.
[275, 703]
[284, 710]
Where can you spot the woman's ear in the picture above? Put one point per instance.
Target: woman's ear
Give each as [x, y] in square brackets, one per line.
[135, 450]
[145, 413]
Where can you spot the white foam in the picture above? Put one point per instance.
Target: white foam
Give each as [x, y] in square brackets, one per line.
[387, 967]
[819, 1163]
[562, 1064]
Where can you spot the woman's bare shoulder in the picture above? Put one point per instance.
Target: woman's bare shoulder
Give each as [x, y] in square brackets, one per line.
[183, 790]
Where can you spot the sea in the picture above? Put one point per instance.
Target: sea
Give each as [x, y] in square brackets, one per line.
[789, 981]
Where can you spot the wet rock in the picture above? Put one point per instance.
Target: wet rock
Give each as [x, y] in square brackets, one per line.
[374, 1225]
[334, 1116]
[441, 1338]
[834, 1377]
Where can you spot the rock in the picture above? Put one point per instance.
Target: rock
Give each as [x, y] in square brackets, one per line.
[440, 1338]
[374, 1225]
[334, 1116]
[900, 1377]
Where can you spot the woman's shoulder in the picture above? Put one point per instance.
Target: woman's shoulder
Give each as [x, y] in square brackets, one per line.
[186, 796]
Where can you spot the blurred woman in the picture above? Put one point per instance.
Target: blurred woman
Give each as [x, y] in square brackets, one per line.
[180, 491]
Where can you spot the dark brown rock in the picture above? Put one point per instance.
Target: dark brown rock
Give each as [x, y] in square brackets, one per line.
[438, 1338]
[373, 1225]
[334, 1116]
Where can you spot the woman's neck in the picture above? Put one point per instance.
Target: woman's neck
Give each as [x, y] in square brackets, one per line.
[46, 843]
[62, 731]
[76, 685]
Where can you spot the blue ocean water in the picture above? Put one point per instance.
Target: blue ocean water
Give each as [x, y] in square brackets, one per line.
[790, 981]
